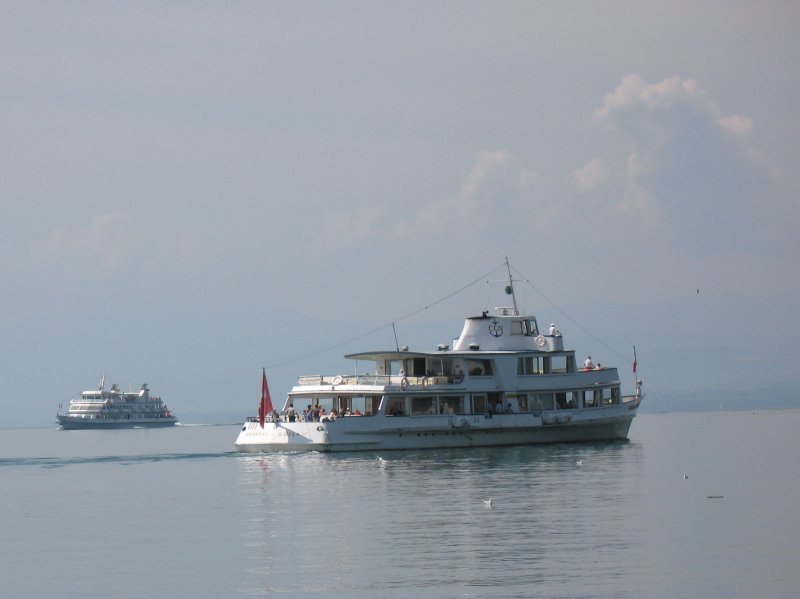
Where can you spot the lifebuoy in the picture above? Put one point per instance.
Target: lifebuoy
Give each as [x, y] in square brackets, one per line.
[404, 383]
[541, 341]
[337, 380]
[425, 382]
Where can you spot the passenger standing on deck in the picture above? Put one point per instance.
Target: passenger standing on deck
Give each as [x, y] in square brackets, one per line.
[554, 332]
[291, 414]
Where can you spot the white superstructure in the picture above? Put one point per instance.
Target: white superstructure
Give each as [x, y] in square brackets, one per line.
[112, 408]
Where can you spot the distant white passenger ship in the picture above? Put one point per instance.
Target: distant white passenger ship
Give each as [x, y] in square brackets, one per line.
[503, 383]
[113, 408]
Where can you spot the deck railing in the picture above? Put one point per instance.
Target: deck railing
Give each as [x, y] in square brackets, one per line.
[378, 380]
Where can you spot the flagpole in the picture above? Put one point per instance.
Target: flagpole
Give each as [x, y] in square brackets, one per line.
[262, 406]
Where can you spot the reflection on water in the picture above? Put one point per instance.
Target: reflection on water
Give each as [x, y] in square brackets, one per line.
[401, 520]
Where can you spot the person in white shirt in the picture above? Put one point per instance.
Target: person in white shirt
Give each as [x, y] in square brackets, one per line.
[588, 364]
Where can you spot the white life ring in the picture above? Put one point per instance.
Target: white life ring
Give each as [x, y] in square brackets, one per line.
[404, 383]
[337, 380]
[541, 341]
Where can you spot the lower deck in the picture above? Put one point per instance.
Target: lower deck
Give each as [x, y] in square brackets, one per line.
[438, 431]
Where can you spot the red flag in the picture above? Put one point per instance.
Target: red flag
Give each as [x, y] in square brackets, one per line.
[266, 403]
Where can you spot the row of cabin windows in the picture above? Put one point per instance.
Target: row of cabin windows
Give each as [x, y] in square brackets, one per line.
[557, 364]
[544, 364]
[365, 405]
[484, 403]
[114, 408]
[448, 367]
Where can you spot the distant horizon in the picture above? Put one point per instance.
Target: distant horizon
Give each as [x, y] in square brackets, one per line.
[664, 406]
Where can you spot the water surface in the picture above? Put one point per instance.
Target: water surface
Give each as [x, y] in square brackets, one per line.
[176, 512]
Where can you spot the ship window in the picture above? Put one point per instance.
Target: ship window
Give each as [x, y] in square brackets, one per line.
[394, 366]
[546, 400]
[325, 403]
[479, 367]
[343, 403]
[561, 400]
[423, 406]
[517, 328]
[530, 365]
[417, 368]
[451, 405]
[610, 396]
[558, 364]
[372, 405]
[479, 405]
[518, 401]
[441, 366]
[591, 398]
[396, 406]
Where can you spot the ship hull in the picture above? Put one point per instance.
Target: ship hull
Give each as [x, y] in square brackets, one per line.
[388, 433]
[67, 423]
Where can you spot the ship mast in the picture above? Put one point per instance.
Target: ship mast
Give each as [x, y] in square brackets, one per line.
[510, 288]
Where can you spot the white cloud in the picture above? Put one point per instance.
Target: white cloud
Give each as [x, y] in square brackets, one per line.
[496, 184]
[688, 164]
[116, 246]
[633, 93]
[591, 176]
[106, 242]
[736, 124]
[352, 228]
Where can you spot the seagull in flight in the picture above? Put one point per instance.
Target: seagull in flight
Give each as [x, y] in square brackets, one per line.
[487, 502]
[579, 463]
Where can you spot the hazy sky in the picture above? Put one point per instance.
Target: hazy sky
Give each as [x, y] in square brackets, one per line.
[190, 191]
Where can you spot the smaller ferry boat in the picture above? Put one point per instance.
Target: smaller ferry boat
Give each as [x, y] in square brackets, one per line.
[112, 408]
[504, 382]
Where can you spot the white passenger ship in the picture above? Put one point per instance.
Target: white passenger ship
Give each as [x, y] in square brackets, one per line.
[113, 408]
[503, 383]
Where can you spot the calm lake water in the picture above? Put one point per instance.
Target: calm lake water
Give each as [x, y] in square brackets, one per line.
[177, 513]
